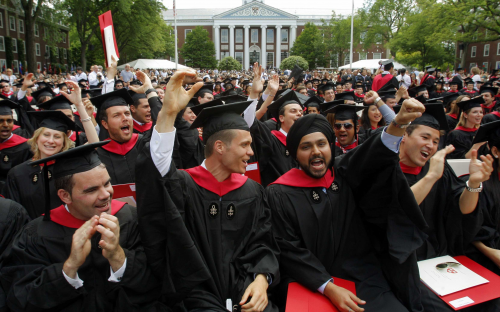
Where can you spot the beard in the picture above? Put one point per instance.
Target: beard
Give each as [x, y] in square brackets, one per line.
[310, 171]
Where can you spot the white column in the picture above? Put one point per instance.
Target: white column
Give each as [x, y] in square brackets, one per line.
[263, 46]
[246, 54]
[231, 40]
[217, 42]
[278, 46]
[293, 36]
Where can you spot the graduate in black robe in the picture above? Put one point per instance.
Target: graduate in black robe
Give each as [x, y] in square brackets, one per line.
[270, 145]
[485, 249]
[228, 220]
[490, 104]
[386, 77]
[339, 224]
[13, 148]
[491, 117]
[120, 154]
[49, 267]
[12, 219]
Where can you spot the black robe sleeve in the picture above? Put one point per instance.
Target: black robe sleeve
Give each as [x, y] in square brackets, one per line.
[462, 141]
[191, 148]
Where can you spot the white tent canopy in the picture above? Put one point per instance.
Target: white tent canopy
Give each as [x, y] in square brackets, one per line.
[370, 64]
[155, 64]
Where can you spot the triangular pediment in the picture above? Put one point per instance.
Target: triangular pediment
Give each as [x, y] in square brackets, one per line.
[255, 10]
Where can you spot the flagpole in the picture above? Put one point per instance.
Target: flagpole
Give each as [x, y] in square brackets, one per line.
[175, 33]
[352, 31]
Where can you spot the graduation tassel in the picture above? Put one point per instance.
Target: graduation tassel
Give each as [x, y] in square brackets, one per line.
[46, 217]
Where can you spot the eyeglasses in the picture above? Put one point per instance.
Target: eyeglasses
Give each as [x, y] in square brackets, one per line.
[445, 265]
[347, 126]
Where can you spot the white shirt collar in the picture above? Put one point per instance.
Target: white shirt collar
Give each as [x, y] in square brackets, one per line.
[67, 209]
[11, 135]
[283, 131]
[385, 72]
[140, 123]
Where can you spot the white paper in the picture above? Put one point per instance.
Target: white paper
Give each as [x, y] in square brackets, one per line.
[110, 44]
[229, 304]
[450, 280]
[461, 302]
[251, 167]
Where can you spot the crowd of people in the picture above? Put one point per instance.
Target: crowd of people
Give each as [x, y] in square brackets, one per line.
[245, 181]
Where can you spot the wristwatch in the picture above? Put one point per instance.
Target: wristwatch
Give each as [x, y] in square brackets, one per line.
[148, 91]
[474, 190]
[400, 126]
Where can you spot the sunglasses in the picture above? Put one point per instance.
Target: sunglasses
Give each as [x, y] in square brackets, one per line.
[445, 265]
[347, 126]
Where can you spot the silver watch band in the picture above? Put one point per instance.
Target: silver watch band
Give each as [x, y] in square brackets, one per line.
[474, 190]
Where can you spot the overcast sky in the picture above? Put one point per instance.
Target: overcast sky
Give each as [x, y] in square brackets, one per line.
[340, 6]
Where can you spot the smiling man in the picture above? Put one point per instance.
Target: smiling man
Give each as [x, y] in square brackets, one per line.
[141, 112]
[120, 155]
[225, 213]
[85, 255]
[331, 220]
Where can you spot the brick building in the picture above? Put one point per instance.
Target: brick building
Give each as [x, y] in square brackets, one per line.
[241, 32]
[480, 54]
[12, 25]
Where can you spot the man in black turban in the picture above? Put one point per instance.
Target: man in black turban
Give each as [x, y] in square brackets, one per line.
[336, 218]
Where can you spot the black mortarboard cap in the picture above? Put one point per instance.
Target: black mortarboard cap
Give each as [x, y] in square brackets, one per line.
[222, 117]
[415, 90]
[207, 86]
[91, 92]
[6, 106]
[315, 80]
[136, 96]
[314, 101]
[116, 98]
[469, 104]
[47, 91]
[136, 83]
[55, 120]
[60, 85]
[236, 98]
[81, 84]
[324, 80]
[433, 117]
[387, 62]
[281, 92]
[468, 81]
[193, 102]
[227, 80]
[42, 85]
[229, 92]
[439, 82]
[57, 102]
[288, 98]
[388, 87]
[197, 108]
[327, 86]
[296, 72]
[121, 81]
[450, 97]
[75, 160]
[431, 70]
[345, 111]
[454, 82]
[3, 80]
[234, 78]
[326, 107]
[391, 94]
[489, 132]
[419, 98]
[492, 90]
[348, 96]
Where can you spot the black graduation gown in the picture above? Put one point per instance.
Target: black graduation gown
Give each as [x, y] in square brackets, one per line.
[452, 122]
[381, 80]
[353, 229]
[229, 222]
[120, 158]
[494, 116]
[13, 152]
[270, 148]
[448, 227]
[25, 185]
[22, 132]
[470, 94]
[491, 108]
[33, 269]
[191, 148]
[462, 141]
[12, 218]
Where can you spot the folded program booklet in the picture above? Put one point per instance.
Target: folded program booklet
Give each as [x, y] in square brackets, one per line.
[445, 275]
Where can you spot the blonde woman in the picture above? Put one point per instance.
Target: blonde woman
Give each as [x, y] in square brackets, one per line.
[476, 76]
[25, 182]
[452, 109]
[463, 135]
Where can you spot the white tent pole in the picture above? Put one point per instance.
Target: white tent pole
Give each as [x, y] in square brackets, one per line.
[175, 32]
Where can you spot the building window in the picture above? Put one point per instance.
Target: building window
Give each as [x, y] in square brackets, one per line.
[239, 57]
[16, 66]
[37, 49]
[472, 65]
[47, 51]
[14, 45]
[270, 59]
[270, 35]
[284, 36]
[473, 52]
[485, 66]
[64, 37]
[186, 32]
[362, 37]
[461, 52]
[45, 33]
[24, 47]
[2, 43]
[224, 54]
[2, 63]
[284, 55]
[224, 35]
[486, 50]
[239, 35]
[497, 65]
[21, 26]
[37, 31]
[377, 56]
[346, 59]
[12, 21]
[56, 52]
[1, 20]
[378, 38]
[65, 55]
[498, 48]
[362, 56]
[255, 35]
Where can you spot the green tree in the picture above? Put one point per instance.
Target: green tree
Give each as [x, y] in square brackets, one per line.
[198, 51]
[416, 44]
[337, 36]
[309, 44]
[9, 55]
[293, 60]
[20, 52]
[229, 63]
[384, 19]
